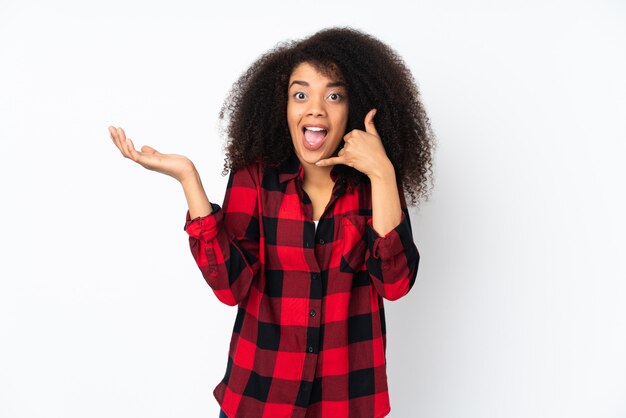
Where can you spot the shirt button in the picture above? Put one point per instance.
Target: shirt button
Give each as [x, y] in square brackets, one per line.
[316, 276]
[312, 313]
[310, 349]
[321, 241]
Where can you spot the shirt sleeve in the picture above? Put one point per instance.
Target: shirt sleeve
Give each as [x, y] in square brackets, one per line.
[225, 243]
[392, 260]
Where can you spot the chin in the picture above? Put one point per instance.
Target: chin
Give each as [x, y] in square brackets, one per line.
[310, 158]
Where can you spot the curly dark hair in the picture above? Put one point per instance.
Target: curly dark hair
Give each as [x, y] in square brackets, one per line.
[376, 76]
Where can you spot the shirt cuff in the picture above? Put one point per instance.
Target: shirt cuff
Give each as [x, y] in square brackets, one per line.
[204, 227]
[390, 245]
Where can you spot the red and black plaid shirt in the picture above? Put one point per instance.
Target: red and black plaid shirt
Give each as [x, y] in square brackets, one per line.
[309, 335]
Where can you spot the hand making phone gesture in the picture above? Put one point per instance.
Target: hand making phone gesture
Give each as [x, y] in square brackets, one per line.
[363, 150]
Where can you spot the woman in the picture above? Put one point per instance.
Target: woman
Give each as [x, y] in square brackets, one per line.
[324, 136]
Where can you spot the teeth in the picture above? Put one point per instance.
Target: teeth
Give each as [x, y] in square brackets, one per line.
[314, 128]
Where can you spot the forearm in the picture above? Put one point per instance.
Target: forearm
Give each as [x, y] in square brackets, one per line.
[386, 208]
[197, 200]
[226, 249]
[392, 255]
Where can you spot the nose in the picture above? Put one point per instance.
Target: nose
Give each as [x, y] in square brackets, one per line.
[316, 107]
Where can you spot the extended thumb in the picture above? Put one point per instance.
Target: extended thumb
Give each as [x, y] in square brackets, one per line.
[149, 150]
[369, 122]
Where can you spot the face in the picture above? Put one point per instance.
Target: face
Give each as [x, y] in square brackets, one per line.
[317, 113]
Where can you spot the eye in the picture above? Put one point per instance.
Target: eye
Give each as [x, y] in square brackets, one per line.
[335, 97]
[299, 95]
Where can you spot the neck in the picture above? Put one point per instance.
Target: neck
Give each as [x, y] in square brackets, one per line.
[317, 177]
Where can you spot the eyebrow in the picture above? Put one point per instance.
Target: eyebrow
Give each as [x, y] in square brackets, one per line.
[331, 84]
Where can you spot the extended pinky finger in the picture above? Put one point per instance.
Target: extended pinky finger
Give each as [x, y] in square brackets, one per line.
[330, 161]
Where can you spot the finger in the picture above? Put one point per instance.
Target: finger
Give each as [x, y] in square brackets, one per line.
[127, 147]
[121, 142]
[121, 134]
[126, 144]
[355, 134]
[331, 161]
[369, 123]
[113, 134]
[134, 155]
[116, 139]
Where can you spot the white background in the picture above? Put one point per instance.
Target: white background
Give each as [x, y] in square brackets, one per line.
[519, 309]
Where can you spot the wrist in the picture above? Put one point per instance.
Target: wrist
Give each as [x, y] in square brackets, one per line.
[383, 173]
[191, 176]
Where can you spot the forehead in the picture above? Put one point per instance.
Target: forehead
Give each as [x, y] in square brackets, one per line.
[309, 71]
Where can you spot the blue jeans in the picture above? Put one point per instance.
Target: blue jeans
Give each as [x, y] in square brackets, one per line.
[222, 414]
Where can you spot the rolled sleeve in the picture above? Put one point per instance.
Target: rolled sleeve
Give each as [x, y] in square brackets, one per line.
[225, 243]
[204, 227]
[391, 244]
[392, 259]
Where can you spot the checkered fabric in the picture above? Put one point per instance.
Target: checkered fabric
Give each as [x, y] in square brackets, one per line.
[309, 334]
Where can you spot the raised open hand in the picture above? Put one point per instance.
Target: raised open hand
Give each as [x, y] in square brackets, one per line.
[174, 165]
[362, 150]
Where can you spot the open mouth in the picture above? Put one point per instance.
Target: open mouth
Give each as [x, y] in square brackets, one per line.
[314, 136]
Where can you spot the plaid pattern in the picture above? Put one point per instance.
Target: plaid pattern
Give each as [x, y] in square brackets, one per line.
[309, 335]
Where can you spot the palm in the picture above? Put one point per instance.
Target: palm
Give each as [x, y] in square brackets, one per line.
[173, 165]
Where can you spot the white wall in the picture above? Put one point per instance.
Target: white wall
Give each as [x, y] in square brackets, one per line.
[519, 307]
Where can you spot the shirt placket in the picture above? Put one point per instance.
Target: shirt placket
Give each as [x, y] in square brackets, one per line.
[314, 251]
